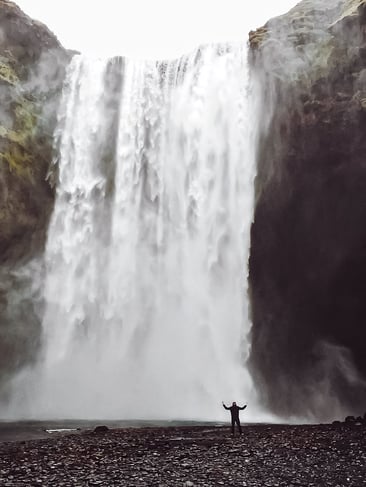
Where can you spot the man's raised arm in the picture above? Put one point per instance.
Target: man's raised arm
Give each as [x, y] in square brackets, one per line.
[243, 407]
[225, 406]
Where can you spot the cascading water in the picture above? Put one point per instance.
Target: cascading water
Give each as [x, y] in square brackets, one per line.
[146, 307]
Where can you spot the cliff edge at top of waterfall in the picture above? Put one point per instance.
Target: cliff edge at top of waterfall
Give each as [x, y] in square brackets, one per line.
[308, 259]
[311, 40]
[32, 63]
[22, 37]
[309, 22]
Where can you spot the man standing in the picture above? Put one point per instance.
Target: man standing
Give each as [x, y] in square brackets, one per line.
[234, 410]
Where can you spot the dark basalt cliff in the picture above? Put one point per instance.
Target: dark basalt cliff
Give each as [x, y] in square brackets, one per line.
[32, 64]
[31, 70]
[308, 251]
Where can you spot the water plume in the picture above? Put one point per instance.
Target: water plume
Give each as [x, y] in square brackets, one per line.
[146, 306]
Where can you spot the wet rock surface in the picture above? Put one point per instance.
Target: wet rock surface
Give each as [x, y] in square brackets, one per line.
[265, 455]
[32, 68]
[308, 258]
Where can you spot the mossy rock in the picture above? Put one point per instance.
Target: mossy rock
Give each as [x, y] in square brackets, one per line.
[311, 34]
[257, 37]
[20, 142]
[26, 129]
[8, 75]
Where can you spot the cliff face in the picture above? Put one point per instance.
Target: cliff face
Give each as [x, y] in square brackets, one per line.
[31, 69]
[32, 64]
[308, 257]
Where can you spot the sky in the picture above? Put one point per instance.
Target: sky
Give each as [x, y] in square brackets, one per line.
[153, 29]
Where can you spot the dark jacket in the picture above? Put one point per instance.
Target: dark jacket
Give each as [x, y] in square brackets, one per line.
[234, 410]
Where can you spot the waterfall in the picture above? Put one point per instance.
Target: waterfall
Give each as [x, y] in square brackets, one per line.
[145, 292]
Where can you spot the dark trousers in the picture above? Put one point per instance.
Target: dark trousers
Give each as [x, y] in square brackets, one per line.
[237, 422]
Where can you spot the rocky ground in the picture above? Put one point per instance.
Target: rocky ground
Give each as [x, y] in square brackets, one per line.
[265, 455]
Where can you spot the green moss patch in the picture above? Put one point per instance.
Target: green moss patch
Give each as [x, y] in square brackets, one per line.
[25, 117]
[18, 160]
[18, 143]
[8, 74]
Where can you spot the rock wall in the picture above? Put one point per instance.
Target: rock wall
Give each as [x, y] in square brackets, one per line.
[308, 257]
[32, 64]
[31, 69]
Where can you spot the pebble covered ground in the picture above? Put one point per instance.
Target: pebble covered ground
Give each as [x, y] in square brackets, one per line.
[265, 455]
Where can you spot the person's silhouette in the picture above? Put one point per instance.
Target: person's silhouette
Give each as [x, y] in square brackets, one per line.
[234, 410]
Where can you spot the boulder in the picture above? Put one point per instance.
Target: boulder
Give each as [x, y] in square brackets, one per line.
[101, 429]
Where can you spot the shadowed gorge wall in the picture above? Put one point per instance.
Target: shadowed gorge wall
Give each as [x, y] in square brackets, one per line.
[308, 250]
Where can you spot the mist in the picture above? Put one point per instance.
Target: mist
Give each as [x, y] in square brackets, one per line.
[152, 30]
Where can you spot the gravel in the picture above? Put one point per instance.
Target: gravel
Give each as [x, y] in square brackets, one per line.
[265, 455]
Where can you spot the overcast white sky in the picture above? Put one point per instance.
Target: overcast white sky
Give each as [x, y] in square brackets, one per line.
[151, 28]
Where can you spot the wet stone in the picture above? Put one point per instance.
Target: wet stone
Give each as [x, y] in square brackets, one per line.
[265, 456]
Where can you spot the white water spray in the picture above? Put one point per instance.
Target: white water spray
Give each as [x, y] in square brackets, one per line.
[146, 307]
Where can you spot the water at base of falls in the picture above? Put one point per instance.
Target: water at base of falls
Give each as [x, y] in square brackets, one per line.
[145, 294]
